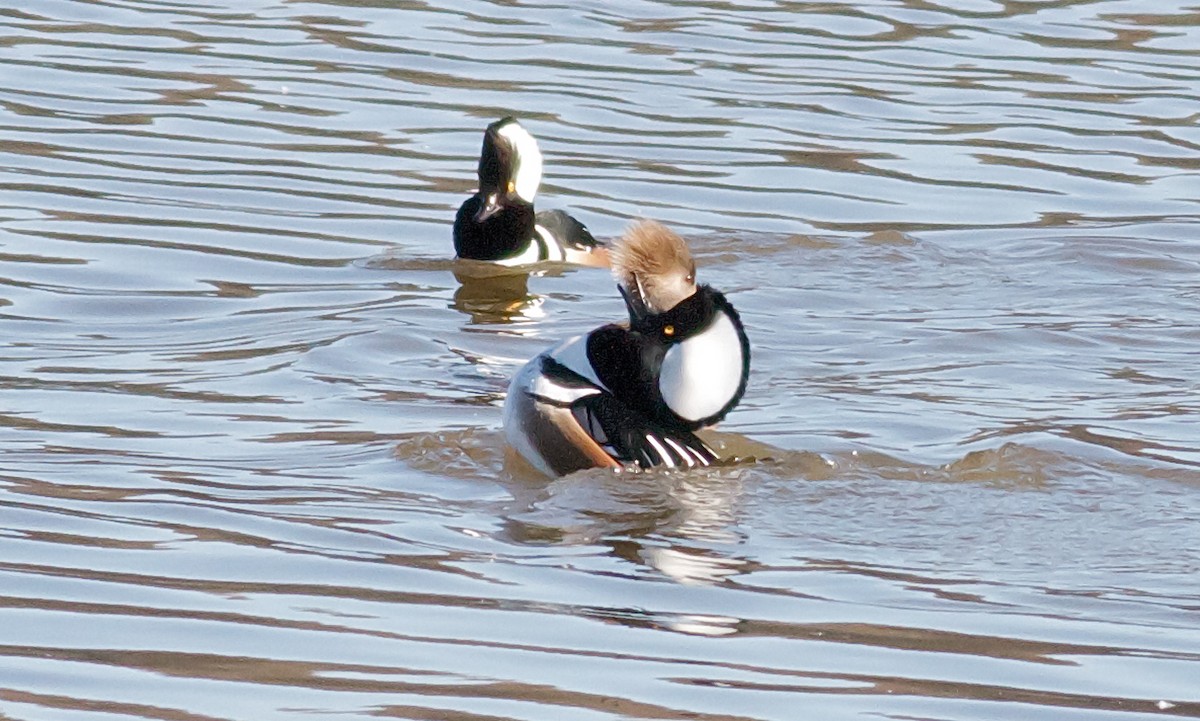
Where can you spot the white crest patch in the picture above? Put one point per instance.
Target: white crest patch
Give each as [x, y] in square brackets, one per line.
[528, 163]
[701, 374]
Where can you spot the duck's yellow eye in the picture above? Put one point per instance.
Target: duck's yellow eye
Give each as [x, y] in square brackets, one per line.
[668, 330]
[512, 185]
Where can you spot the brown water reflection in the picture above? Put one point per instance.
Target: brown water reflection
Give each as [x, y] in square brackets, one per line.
[250, 458]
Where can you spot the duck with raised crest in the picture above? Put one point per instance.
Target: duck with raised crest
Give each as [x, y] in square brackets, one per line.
[635, 393]
[498, 223]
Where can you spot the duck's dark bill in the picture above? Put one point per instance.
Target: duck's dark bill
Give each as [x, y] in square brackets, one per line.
[491, 206]
[635, 304]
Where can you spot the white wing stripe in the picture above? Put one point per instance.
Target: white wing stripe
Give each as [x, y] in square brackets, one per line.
[682, 452]
[662, 452]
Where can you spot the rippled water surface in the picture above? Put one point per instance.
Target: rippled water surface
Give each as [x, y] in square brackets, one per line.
[250, 457]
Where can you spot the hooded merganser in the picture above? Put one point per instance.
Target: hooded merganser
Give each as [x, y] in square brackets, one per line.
[498, 223]
[635, 393]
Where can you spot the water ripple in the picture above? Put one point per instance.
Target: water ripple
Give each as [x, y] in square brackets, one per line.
[251, 457]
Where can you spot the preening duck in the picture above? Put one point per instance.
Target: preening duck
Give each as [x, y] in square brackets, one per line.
[635, 392]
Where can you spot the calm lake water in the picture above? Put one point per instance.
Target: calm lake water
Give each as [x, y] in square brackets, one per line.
[251, 465]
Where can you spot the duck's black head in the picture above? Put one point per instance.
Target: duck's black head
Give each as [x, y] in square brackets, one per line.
[510, 167]
[497, 223]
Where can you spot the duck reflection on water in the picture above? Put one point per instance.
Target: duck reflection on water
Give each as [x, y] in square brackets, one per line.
[492, 295]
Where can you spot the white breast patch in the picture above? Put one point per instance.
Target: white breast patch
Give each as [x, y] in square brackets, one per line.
[702, 374]
[531, 254]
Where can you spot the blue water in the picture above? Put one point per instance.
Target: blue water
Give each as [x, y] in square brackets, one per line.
[251, 464]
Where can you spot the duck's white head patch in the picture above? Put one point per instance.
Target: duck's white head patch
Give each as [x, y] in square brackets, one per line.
[527, 163]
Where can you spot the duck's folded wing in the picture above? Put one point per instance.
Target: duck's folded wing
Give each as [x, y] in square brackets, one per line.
[630, 437]
[569, 230]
